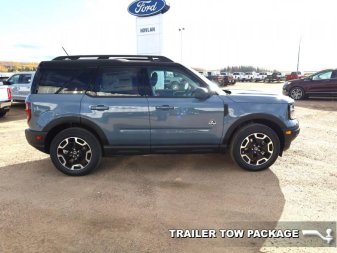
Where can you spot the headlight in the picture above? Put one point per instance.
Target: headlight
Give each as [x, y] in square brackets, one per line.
[291, 111]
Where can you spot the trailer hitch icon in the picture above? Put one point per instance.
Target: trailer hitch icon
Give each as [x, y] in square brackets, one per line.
[328, 238]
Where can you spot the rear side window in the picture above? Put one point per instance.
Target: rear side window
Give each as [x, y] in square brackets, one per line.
[117, 82]
[25, 78]
[63, 81]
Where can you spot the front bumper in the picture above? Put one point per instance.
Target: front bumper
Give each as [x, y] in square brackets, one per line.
[290, 135]
[285, 92]
[37, 139]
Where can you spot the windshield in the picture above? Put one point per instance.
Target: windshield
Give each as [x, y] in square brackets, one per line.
[213, 86]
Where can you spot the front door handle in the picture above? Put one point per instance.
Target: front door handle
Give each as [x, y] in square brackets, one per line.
[99, 107]
[165, 107]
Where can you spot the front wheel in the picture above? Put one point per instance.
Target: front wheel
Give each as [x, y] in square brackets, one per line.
[75, 151]
[255, 147]
[297, 93]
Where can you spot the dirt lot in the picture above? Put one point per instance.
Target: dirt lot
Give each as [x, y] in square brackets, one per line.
[129, 204]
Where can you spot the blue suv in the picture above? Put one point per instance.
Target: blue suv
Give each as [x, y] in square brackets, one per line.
[87, 106]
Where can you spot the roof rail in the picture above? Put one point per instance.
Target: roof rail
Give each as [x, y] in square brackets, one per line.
[153, 58]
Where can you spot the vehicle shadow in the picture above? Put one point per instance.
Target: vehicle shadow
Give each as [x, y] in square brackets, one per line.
[130, 203]
[326, 104]
[16, 112]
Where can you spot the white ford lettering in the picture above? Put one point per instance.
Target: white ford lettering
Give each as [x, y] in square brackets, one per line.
[142, 7]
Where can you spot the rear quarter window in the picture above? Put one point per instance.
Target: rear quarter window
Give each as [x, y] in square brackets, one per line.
[63, 81]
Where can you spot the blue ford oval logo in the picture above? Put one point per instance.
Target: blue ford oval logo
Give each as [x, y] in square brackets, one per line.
[145, 8]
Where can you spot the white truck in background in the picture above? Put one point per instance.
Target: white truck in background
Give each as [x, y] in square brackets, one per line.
[249, 77]
[5, 99]
[20, 84]
[261, 76]
[238, 76]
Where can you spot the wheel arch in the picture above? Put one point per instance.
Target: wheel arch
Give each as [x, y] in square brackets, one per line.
[56, 126]
[265, 119]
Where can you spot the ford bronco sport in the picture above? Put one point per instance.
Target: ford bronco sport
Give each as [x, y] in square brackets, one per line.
[84, 107]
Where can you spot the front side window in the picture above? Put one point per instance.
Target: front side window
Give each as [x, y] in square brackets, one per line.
[322, 76]
[14, 79]
[172, 83]
[117, 82]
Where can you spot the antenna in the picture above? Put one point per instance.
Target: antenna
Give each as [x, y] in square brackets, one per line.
[65, 50]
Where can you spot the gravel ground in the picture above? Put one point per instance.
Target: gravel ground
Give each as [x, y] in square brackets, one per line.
[129, 204]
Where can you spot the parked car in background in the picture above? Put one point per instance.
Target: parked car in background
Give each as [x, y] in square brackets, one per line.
[20, 84]
[320, 84]
[238, 76]
[4, 77]
[261, 76]
[229, 78]
[274, 77]
[5, 100]
[249, 77]
[294, 75]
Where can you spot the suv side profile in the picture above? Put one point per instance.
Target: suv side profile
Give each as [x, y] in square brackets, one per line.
[84, 107]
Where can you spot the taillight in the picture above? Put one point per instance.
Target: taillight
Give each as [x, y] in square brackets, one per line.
[9, 94]
[28, 111]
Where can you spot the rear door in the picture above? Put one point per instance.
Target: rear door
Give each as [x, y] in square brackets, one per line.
[116, 105]
[178, 119]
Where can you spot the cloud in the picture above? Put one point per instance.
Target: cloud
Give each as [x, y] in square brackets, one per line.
[27, 46]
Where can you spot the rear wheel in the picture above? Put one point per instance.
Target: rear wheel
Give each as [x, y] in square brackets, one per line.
[255, 147]
[297, 93]
[2, 113]
[75, 151]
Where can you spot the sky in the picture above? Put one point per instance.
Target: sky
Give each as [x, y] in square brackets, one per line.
[218, 33]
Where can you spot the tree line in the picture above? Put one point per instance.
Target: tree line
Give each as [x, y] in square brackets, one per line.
[17, 66]
[232, 69]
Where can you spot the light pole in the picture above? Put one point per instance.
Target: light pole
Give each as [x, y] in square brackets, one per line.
[298, 55]
[181, 43]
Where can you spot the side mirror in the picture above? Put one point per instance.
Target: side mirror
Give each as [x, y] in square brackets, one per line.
[201, 93]
[6, 82]
[308, 79]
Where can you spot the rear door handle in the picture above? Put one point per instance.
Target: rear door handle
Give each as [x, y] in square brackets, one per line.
[99, 107]
[165, 107]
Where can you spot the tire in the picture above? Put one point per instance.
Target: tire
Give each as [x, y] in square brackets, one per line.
[297, 93]
[79, 143]
[2, 113]
[255, 147]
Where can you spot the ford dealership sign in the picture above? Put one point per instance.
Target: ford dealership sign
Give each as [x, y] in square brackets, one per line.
[145, 8]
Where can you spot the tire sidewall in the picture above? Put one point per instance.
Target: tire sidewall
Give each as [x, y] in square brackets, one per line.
[86, 136]
[242, 134]
[303, 95]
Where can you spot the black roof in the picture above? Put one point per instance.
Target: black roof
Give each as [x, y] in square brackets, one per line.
[152, 58]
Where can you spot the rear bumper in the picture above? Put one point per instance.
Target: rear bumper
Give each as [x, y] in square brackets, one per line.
[36, 139]
[5, 105]
[290, 135]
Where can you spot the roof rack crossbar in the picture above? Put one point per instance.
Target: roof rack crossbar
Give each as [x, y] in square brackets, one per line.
[154, 58]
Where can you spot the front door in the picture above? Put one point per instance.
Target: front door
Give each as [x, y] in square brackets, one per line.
[177, 118]
[323, 84]
[117, 106]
